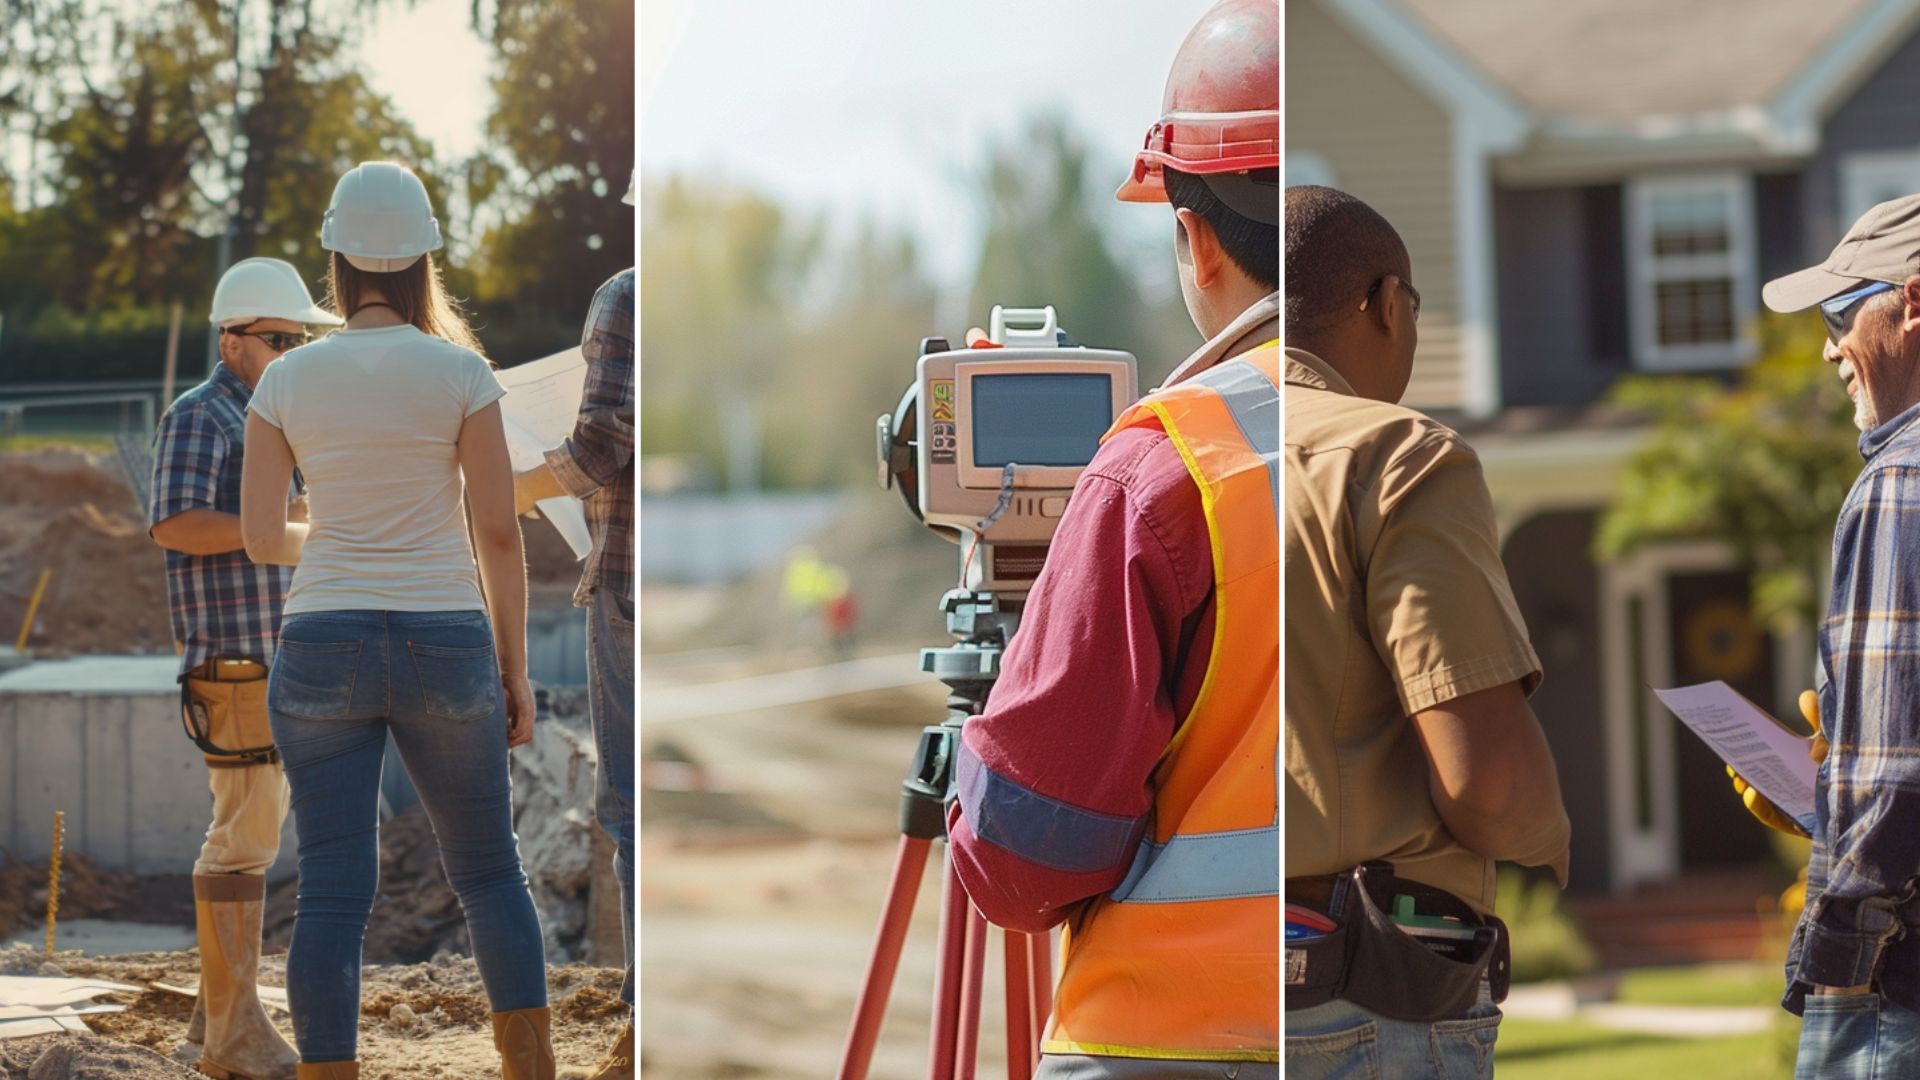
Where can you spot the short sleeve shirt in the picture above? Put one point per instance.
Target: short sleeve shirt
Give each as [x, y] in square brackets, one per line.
[374, 418]
[1397, 601]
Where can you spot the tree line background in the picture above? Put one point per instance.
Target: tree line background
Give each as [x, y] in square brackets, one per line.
[770, 336]
[139, 130]
[770, 339]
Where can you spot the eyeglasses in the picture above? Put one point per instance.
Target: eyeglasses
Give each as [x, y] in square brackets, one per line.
[1413, 293]
[277, 340]
[1839, 312]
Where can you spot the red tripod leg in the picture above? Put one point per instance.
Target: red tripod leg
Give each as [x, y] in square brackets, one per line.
[1017, 948]
[955, 910]
[968, 1050]
[908, 865]
[1040, 957]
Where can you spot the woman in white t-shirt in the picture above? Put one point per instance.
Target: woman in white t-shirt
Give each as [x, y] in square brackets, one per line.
[386, 629]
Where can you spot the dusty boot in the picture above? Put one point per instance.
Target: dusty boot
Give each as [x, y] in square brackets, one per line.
[524, 1038]
[188, 1052]
[330, 1070]
[241, 1043]
[618, 1064]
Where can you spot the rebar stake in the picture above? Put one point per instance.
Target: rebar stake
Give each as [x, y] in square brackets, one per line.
[53, 875]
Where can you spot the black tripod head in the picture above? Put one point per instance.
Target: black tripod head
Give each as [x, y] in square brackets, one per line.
[981, 623]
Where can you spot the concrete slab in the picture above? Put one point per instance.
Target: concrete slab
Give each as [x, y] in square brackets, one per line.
[107, 937]
[95, 675]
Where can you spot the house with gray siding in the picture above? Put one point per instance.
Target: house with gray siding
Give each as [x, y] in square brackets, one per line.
[1588, 189]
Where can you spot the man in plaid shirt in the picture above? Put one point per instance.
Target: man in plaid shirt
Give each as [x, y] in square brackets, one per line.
[1853, 968]
[595, 465]
[226, 619]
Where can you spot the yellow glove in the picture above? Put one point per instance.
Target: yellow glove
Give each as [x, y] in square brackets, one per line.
[1759, 805]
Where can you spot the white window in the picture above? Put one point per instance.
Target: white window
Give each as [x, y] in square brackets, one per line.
[1869, 179]
[1691, 268]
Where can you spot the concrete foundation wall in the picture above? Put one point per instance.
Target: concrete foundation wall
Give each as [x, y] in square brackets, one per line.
[133, 789]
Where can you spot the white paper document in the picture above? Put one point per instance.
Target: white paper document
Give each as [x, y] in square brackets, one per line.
[542, 402]
[1761, 749]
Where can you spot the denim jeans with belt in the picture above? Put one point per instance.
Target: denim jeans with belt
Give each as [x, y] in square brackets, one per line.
[341, 683]
[610, 673]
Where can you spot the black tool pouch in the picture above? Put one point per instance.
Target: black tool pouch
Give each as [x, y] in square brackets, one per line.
[1370, 961]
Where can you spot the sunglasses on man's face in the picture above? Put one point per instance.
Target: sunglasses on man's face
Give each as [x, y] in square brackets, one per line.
[1839, 312]
[277, 340]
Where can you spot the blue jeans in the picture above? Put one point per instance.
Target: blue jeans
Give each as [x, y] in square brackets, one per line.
[341, 682]
[1857, 1037]
[610, 679]
[1342, 1041]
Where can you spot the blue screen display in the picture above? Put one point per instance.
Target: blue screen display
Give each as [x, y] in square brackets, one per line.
[1039, 419]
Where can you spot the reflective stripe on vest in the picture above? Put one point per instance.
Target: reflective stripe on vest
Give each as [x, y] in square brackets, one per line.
[1182, 960]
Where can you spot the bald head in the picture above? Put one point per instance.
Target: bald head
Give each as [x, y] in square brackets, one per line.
[1336, 248]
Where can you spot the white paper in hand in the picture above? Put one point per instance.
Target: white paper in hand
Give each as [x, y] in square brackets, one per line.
[542, 402]
[1761, 749]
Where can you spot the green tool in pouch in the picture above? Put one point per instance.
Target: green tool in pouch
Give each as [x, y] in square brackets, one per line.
[1423, 972]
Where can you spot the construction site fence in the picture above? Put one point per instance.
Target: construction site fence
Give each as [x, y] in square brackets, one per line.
[97, 410]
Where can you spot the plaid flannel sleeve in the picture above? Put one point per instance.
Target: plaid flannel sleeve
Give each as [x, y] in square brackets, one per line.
[601, 446]
[1868, 855]
[189, 454]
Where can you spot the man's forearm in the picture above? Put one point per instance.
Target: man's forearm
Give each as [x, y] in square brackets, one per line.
[199, 532]
[536, 484]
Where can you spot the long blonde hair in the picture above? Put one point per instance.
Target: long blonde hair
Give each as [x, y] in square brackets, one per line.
[416, 293]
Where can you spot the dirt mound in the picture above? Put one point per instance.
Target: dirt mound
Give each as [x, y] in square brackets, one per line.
[73, 515]
[417, 1020]
[85, 1057]
[86, 892]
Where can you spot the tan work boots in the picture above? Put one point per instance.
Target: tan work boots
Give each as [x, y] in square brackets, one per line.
[524, 1038]
[241, 1043]
[618, 1064]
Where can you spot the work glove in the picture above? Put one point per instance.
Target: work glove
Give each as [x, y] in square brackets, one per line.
[1759, 805]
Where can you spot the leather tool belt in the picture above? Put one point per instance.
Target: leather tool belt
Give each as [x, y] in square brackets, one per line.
[1371, 961]
[223, 706]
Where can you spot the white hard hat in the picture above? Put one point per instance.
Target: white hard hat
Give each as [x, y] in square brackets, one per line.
[380, 218]
[265, 289]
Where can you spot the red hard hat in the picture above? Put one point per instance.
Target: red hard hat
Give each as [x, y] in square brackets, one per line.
[1221, 113]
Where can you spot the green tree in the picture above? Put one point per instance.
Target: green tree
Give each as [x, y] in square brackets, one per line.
[1762, 466]
[1044, 242]
[724, 270]
[564, 119]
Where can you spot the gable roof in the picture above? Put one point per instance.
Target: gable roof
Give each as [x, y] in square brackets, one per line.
[1633, 76]
[1615, 62]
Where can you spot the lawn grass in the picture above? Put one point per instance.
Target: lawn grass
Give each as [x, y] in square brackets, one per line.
[1571, 1050]
[1704, 984]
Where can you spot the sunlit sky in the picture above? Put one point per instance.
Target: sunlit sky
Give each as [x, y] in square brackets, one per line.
[428, 60]
[884, 108]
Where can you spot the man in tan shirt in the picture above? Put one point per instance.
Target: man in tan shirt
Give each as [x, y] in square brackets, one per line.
[1407, 731]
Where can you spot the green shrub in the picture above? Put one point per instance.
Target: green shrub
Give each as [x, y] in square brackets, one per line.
[1546, 943]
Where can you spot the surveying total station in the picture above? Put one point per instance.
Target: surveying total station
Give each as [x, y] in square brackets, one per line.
[985, 448]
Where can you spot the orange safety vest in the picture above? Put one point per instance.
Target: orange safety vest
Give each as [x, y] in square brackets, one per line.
[1182, 960]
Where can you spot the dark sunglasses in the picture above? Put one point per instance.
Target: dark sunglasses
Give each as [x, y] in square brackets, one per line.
[277, 340]
[1374, 290]
[1839, 312]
